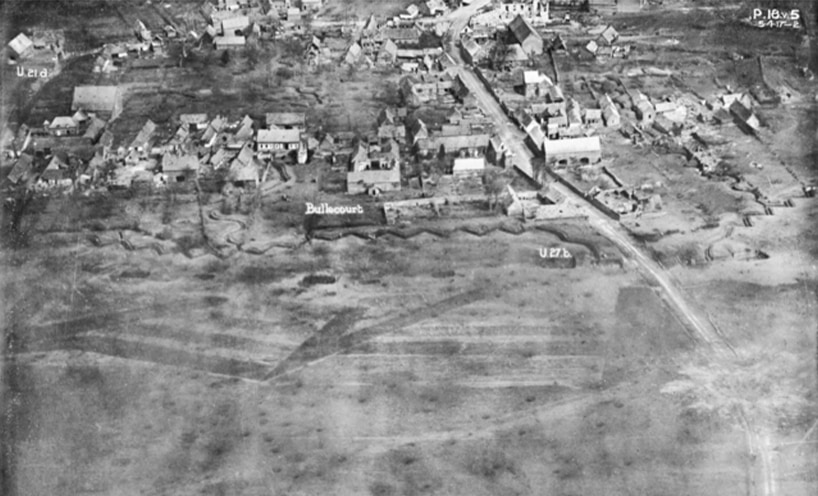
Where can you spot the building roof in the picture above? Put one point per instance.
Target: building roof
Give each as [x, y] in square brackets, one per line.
[62, 122]
[278, 136]
[179, 163]
[193, 118]
[229, 40]
[536, 135]
[572, 145]
[593, 114]
[22, 167]
[21, 44]
[535, 77]
[609, 35]
[96, 98]
[93, 129]
[521, 29]
[285, 119]
[238, 22]
[144, 134]
[472, 47]
[401, 34]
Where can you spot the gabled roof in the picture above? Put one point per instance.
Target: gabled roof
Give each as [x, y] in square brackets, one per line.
[193, 118]
[386, 116]
[327, 143]
[353, 52]
[535, 77]
[144, 134]
[80, 116]
[245, 156]
[238, 22]
[472, 47]
[389, 47]
[62, 122]
[93, 129]
[278, 136]
[22, 168]
[572, 145]
[609, 35]
[521, 29]
[21, 44]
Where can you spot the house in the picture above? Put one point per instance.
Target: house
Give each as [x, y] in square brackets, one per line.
[496, 151]
[194, 122]
[21, 46]
[592, 117]
[662, 107]
[436, 7]
[388, 53]
[425, 87]
[469, 163]
[143, 32]
[417, 130]
[23, 169]
[94, 129]
[279, 7]
[572, 150]
[535, 137]
[533, 84]
[608, 36]
[744, 117]
[353, 54]
[402, 36]
[55, 171]
[180, 168]
[609, 111]
[63, 126]
[142, 140]
[592, 47]
[524, 34]
[573, 112]
[229, 42]
[235, 26]
[106, 100]
[244, 173]
[452, 144]
[412, 12]
[555, 94]
[278, 140]
[524, 8]
[644, 110]
[293, 14]
[374, 168]
[245, 130]
[286, 120]
[326, 147]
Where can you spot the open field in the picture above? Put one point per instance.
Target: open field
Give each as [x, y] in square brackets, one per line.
[439, 365]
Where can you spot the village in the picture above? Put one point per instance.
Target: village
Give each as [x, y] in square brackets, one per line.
[403, 158]
[471, 247]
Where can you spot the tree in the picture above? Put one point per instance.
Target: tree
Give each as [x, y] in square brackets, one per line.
[498, 55]
[225, 57]
[251, 53]
[494, 185]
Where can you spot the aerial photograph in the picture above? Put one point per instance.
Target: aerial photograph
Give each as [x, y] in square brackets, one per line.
[409, 247]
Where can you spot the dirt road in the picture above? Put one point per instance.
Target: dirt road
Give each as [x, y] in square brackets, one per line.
[695, 319]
